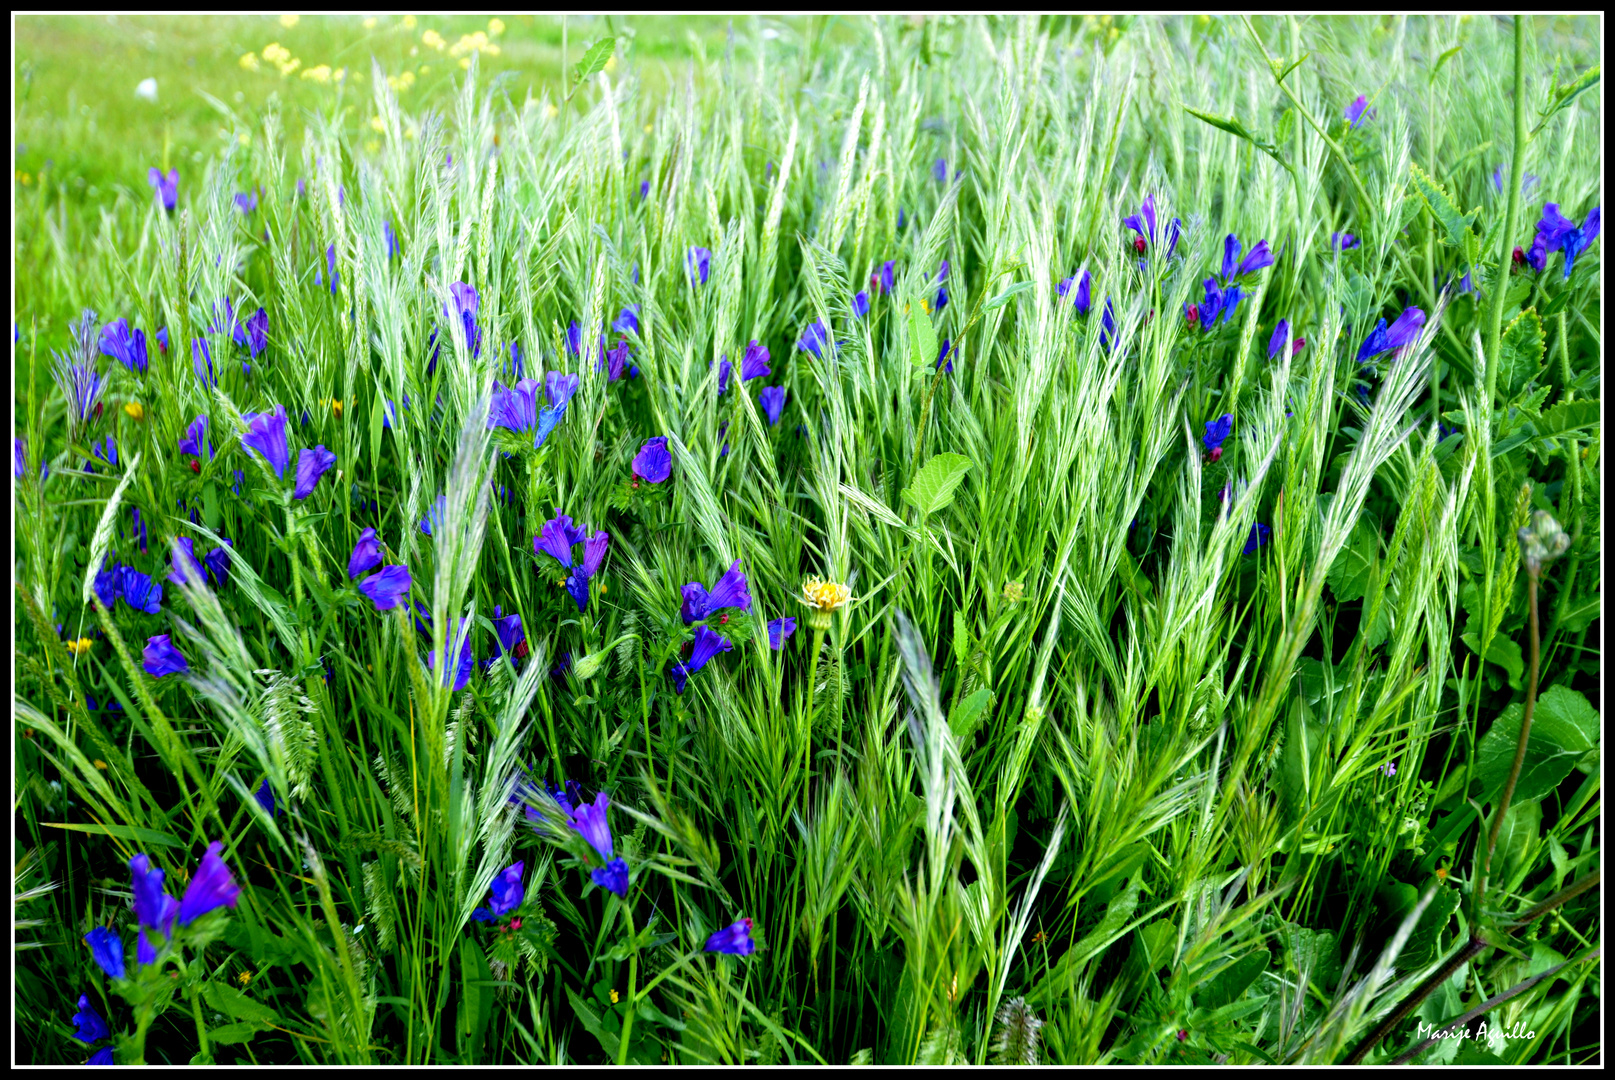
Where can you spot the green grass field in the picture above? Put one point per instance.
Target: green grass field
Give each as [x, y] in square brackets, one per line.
[961, 539]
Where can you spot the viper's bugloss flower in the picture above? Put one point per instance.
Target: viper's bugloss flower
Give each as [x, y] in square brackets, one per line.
[882, 280]
[860, 304]
[1080, 295]
[779, 630]
[162, 658]
[654, 462]
[106, 948]
[184, 567]
[557, 537]
[615, 360]
[559, 388]
[1498, 181]
[138, 528]
[88, 1027]
[1537, 257]
[124, 345]
[1258, 537]
[167, 187]
[939, 171]
[211, 887]
[107, 452]
[139, 591]
[628, 321]
[366, 554]
[707, 644]
[1217, 430]
[266, 435]
[81, 386]
[574, 338]
[246, 201]
[590, 820]
[734, 939]
[1235, 267]
[577, 584]
[754, 364]
[389, 238]
[109, 583]
[1380, 339]
[21, 461]
[1143, 223]
[1559, 233]
[942, 357]
[507, 631]
[1355, 111]
[432, 523]
[265, 795]
[698, 262]
[644, 189]
[330, 266]
[1343, 241]
[202, 362]
[462, 671]
[218, 561]
[941, 298]
[102, 1056]
[463, 313]
[594, 552]
[730, 591]
[195, 437]
[772, 400]
[254, 333]
[1107, 325]
[814, 338]
[505, 894]
[1281, 334]
[387, 587]
[311, 465]
[613, 877]
[154, 908]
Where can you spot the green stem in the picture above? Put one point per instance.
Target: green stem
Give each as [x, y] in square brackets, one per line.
[633, 977]
[201, 1028]
[807, 743]
[1511, 217]
[1525, 734]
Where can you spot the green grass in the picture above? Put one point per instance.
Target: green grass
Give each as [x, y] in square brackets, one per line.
[1081, 774]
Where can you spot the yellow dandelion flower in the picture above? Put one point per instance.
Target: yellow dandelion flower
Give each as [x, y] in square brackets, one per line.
[249, 61]
[320, 74]
[433, 40]
[99, 764]
[275, 53]
[135, 410]
[246, 976]
[825, 598]
[79, 647]
[290, 19]
[370, 23]
[496, 27]
[409, 22]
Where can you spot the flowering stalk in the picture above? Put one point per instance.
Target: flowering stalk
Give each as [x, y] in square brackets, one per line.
[633, 977]
[1511, 217]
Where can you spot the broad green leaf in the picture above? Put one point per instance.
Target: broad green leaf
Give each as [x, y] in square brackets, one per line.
[590, 1019]
[594, 61]
[1057, 983]
[1456, 224]
[1504, 652]
[1227, 987]
[119, 832]
[966, 716]
[1521, 353]
[1564, 727]
[1421, 945]
[232, 1002]
[933, 486]
[1568, 416]
[1007, 295]
[1349, 573]
[230, 1034]
[921, 337]
[1314, 951]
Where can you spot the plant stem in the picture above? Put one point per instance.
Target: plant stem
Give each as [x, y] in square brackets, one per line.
[1525, 734]
[1511, 217]
[633, 977]
[807, 746]
[201, 1028]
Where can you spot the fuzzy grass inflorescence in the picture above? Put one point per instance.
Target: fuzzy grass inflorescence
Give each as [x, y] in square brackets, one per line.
[927, 541]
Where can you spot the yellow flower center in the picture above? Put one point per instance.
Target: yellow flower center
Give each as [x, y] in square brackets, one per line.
[825, 595]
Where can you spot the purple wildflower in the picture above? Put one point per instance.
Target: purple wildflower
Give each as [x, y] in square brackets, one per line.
[254, 333]
[167, 187]
[814, 337]
[106, 948]
[883, 279]
[87, 1023]
[211, 887]
[654, 462]
[1258, 537]
[939, 171]
[124, 345]
[860, 304]
[505, 894]
[1080, 296]
[730, 591]
[387, 587]
[1355, 111]
[734, 939]
[161, 658]
[1559, 233]
[265, 796]
[139, 591]
[707, 644]
[462, 671]
[185, 569]
[1343, 241]
[590, 820]
[1380, 339]
[698, 261]
[628, 321]
[266, 435]
[311, 465]
[772, 400]
[366, 554]
[779, 630]
[1217, 430]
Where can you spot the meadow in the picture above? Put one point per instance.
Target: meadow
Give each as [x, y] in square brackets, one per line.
[853, 540]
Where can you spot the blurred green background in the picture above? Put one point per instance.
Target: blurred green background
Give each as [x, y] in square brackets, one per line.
[82, 128]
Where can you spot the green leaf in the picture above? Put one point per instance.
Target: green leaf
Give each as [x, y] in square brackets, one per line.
[933, 486]
[1441, 61]
[1291, 66]
[1521, 353]
[966, 716]
[1423, 943]
[1564, 95]
[210, 505]
[1315, 951]
[232, 1002]
[1504, 652]
[1568, 416]
[594, 61]
[1234, 127]
[230, 1034]
[1007, 295]
[119, 832]
[921, 337]
[378, 417]
[1457, 225]
[1349, 573]
[590, 1019]
[1227, 987]
[1564, 727]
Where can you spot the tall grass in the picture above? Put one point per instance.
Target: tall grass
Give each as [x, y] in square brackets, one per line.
[1081, 773]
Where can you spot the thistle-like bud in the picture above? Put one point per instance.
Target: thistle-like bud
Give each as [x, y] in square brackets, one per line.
[1017, 1037]
[1542, 540]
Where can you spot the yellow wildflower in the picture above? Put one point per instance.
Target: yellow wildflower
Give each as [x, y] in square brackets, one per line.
[465, 62]
[289, 19]
[244, 139]
[378, 124]
[99, 764]
[611, 62]
[79, 647]
[290, 66]
[825, 598]
[249, 61]
[426, 69]
[246, 976]
[496, 27]
[614, 997]
[552, 112]
[319, 74]
[370, 23]
[409, 22]
[433, 40]
[135, 410]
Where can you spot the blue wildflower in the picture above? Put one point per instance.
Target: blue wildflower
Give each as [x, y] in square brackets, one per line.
[814, 338]
[654, 462]
[1355, 111]
[167, 187]
[772, 400]
[161, 658]
[124, 345]
[387, 587]
[211, 887]
[266, 436]
[706, 644]
[779, 630]
[139, 591]
[366, 554]
[265, 796]
[311, 465]
[698, 261]
[860, 304]
[87, 1023]
[734, 939]
[1258, 537]
[1343, 241]
[462, 671]
[1217, 430]
[731, 590]
[1079, 296]
[505, 894]
[106, 948]
[1400, 333]
[1559, 233]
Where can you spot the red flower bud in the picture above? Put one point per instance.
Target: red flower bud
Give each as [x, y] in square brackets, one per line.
[1519, 256]
[1300, 343]
[515, 924]
[98, 411]
[1138, 244]
[520, 651]
[1215, 456]
[723, 619]
[1193, 314]
[196, 467]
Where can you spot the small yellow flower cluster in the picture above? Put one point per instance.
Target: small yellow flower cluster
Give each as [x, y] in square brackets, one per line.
[400, 83]
[249, 61]
[409, 22]
[614, 997]
[99, 764]
[289, 19]
[336, 406]
[370, 23]
[825, 596]
[24, 179]
[433, 40]
[377, 124]
[470, 43]
[79, 647]
[246, 976]
[320, 74]
[135, 410]
[277, 54]
[496, 27]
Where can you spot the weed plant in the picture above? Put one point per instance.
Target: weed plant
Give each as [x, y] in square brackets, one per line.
[1074, 611]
